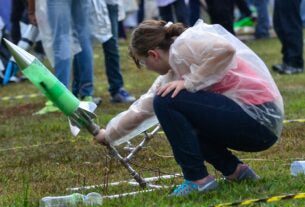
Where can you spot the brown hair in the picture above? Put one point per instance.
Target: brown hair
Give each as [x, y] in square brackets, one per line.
[151, 34]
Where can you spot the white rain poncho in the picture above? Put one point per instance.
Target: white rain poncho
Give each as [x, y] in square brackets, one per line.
[99, 21]
[209, 58]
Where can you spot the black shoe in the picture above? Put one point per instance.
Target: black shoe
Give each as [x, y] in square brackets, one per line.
[286, 69]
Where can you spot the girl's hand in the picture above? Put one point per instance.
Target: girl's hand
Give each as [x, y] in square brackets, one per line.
[100, 137]
[177, 86]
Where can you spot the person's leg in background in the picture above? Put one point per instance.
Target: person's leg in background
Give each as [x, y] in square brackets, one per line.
[303, 12]
[59, 14]
[83, 61]
[166, 13]
[121, 30]
[288, 27]
[263, 21]
[182, 12]
[243, 8]
[194, 8]
[112, 61]
[222, 12]
[141, 11]
[18, 8]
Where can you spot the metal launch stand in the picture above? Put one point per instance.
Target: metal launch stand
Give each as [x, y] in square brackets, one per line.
[125, 161]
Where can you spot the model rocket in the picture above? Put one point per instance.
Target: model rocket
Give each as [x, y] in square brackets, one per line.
[26, 42]
[80, 114]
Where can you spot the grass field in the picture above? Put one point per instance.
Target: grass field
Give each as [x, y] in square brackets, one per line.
[39, 157]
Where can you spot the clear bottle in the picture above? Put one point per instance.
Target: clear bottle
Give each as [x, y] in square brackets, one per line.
[297, 167]
[73, 200]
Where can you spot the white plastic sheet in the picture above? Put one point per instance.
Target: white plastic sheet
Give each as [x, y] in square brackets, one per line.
[99, 21]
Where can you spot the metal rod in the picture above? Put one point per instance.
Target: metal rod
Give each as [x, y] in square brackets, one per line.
[94, 129]
[146, 139]
[134, 174]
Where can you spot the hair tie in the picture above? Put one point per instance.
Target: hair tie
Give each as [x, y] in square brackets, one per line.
[168, 24]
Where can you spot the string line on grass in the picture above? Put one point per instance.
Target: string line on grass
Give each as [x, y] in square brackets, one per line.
[38, 145]
[19, 97]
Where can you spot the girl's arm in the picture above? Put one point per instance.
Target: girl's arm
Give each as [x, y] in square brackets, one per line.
[127, 121]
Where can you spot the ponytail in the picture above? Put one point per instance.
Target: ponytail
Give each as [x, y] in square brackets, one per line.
[151, 34]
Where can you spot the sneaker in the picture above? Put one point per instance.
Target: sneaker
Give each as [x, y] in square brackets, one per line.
[245, 173]
[15, 79]
[96, 100]
[188, 187]
[244, 22]
[49, 108]
[122, 96]
[286, 69]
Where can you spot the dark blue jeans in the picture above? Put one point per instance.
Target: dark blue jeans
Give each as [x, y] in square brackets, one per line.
[194, 9]
[202, 126]
[263, 22]
[64, 13]
[111, 53]
[222, 12]
[288, 26]
[181, 12]
[19, 13]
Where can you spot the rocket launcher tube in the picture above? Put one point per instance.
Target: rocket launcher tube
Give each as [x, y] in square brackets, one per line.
[44, 80]
[80, 114]
[50, 86]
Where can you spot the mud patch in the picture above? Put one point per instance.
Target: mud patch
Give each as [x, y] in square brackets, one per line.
[21, 110]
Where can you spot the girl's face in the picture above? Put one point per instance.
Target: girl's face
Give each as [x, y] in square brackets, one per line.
[157, 61]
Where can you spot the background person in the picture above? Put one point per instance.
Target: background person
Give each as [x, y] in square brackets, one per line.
[112, 58]
[68, 22]
[288, 27]
[222, 12]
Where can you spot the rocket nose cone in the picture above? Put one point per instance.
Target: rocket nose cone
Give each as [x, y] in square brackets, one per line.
[22, 57]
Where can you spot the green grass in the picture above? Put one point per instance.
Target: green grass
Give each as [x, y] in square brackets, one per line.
[39, 157]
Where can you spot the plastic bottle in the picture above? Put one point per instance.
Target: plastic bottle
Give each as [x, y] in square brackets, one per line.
[73, 200]
[297, 167]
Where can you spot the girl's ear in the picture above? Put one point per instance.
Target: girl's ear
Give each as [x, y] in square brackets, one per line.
[153, 53]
